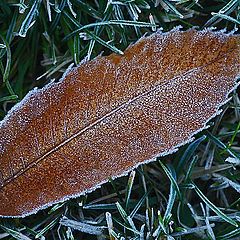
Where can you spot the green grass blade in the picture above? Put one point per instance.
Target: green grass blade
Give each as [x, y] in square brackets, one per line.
[9, 98]
[111, 22]
[227, 9]
[95, 37]
[171, 178]
[139, 204]
[110, 225]
[82, 227]
[15, 234]
[189, 153]
[103, 206]
[129, 188]
[8, 67]
[222, 145]
[45, 229]
[214, 208]
[30, 18]
[226, 17]
[171, 199]
[190, 169]
[231, 235]
[122, 212]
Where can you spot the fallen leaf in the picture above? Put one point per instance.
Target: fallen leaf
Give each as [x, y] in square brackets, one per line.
[108, 115]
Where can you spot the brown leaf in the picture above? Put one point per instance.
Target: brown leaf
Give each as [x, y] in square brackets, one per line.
[111, 114]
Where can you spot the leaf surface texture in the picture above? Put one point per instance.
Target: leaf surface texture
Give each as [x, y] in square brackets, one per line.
[111, 114]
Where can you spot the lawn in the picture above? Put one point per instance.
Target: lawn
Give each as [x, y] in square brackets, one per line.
[191, 194]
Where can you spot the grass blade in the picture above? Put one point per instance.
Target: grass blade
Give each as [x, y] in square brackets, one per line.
[222, 145]
[29, 20]
[129, 188]
[171, 199]
[82, 227]
[226, 17]
[111, 22]
[214, 208]
[15, 234]
[189, 152]
[171, 178]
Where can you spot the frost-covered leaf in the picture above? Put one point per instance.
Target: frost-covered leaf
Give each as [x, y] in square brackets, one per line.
[111, 114]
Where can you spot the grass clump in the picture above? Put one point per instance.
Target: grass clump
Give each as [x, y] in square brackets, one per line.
[191, 194]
